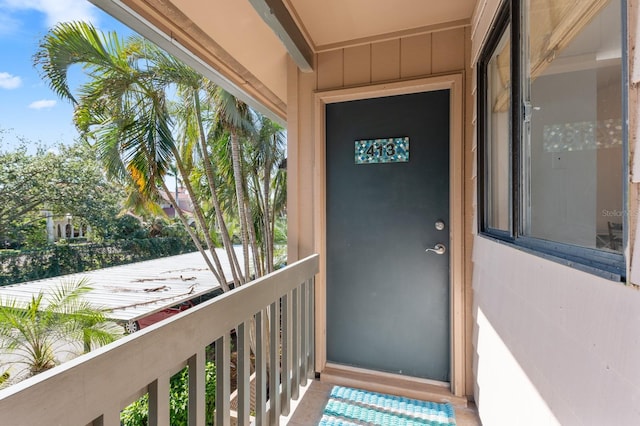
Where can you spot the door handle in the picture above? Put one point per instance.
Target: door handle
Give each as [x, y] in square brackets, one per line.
[437, 249]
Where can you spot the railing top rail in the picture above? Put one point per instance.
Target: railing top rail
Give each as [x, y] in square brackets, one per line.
[80, 390]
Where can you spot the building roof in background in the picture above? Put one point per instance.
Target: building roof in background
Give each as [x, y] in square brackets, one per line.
[133, 291]
[183, 199]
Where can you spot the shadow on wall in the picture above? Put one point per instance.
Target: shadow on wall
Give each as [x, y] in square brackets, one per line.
[554, 345]
[499, 371]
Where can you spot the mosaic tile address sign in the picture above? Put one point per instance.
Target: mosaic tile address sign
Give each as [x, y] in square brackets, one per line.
[388, 150]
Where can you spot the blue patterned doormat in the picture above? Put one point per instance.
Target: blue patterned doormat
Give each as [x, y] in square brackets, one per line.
[353, 407]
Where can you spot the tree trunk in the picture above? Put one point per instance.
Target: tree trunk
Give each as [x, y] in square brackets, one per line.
[259, 270]
[192, 234]
[238, 178]
[200, 220]
[268, 238]
[236, 272]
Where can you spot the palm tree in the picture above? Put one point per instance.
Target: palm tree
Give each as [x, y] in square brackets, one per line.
[146, 111]
[268, 179]
[124, 109]
[234, 118]
[141, 135]
[191, 115]
[32, 331]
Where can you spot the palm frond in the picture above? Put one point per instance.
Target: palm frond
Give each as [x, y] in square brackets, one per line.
[31, 331]
[73, 43]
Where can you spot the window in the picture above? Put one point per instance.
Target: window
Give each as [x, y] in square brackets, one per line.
[497, 145]
[551, 131]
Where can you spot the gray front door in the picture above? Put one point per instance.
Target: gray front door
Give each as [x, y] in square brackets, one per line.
[388, 299]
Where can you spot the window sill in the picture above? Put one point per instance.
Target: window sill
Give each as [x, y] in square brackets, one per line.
[604, 264]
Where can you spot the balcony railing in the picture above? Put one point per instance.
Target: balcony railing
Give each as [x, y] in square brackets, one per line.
[94, 388]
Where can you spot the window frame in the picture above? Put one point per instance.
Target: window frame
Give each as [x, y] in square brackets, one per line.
[610, 265]
[497, 30]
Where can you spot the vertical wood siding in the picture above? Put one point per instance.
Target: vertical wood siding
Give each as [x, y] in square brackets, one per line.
[357, 65]
[416, 56]
[393, 60]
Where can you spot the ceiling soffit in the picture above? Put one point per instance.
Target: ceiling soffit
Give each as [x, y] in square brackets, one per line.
[333, 24]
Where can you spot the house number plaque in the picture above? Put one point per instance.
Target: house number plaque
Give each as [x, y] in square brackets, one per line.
[388, 150]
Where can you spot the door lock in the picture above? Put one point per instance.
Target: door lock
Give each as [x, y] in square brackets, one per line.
[437, 249]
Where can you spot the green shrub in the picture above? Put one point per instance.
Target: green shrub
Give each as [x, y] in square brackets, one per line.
[137, 414]
[62, 259]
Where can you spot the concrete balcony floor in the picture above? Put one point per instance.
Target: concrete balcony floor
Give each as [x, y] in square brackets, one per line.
[308, 411]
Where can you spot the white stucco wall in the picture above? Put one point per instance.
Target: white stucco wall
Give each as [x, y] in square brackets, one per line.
[553, 345]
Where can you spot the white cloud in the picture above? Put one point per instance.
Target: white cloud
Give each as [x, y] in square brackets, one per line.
[8, 81]
[43, 103]
[57, 10]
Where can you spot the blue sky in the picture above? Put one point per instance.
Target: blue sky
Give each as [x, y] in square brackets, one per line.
[28, 108]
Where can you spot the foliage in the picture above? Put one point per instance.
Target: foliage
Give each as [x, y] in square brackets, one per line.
[31, 331]
[137, 414]
[150, 116]
[124, 227]
[65, 259]
[61, 180]
[4, 378]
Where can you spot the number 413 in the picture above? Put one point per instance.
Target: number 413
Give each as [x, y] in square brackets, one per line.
[378, 150]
